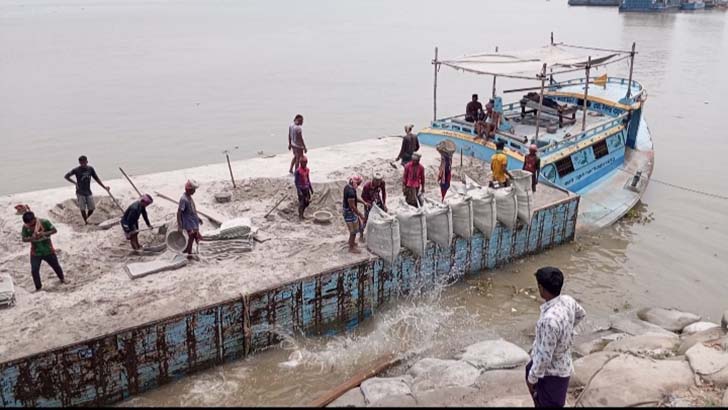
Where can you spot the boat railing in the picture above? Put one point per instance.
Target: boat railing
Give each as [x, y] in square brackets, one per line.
[457, 123]
[570, 140]
[610, 80]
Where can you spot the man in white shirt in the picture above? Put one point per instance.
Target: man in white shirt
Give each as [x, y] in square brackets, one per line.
[296, 143]
[548, 373]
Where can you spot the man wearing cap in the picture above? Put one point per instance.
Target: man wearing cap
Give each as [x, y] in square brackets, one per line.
[38, 233]
[83, 173]
[548, 372]
[304, 189]
[413, 180]
[373, 192]
[187, 217]
[352, 216]
[130, 220]
[410, 145]
[532, 164]
[499, 166]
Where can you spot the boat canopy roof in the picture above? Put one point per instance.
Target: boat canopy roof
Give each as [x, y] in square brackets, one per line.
[528, 64]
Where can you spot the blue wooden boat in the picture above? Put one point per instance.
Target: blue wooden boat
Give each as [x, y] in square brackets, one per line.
[598, 3]
[591, 135]
[649, 5]
[692, 5]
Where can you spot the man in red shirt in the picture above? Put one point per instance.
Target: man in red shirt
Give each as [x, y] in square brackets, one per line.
[373, 192]
[413, 180]
[303, 186]
[532, 164]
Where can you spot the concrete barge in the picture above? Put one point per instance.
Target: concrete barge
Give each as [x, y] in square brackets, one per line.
[121, 363]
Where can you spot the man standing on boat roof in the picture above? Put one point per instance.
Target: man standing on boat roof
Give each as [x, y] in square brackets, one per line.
[130, 220]
[410, 145]
[187, 217]
[499, 167]
[413, 180]
[83, 173]
[352, 216]
[548, 372]
[295, 142]
[532, 164]
[304, 188]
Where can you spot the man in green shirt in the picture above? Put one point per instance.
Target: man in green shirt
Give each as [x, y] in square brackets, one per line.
[38, 232]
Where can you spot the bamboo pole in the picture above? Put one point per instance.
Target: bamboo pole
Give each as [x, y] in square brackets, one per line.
[130, 181]
[631, 69]
[377, 367]
[232, 178]
[552, 38]
[108, 191]
[540, 102]
[494, 77]
[586, 94]
[434, 89]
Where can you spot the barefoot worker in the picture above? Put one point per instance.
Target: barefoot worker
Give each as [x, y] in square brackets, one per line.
[532, 164]
[295, 142]
[130, 220]
[410, 145]
[413, 180]
[547, 375]
[352, 216]
[499, 167]
[38, 233]
[304, 189]
[187, 217]
[373, 192]
[83, 173]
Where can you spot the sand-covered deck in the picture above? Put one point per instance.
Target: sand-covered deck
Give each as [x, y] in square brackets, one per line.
[100, 297]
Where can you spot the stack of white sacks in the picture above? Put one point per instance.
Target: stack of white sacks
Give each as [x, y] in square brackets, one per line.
[468, 206]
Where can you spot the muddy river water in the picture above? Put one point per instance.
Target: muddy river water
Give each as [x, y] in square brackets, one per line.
[172, 84]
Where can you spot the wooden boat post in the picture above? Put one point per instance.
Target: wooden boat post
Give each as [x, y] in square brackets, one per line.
[631, 67]
[494, 77]
[540, 102]
[586, 94]
[434, 89]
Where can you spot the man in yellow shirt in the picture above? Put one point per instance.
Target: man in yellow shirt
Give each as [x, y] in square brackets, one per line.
[499, 166]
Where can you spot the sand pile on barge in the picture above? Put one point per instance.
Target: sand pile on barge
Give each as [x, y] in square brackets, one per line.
[100, 297]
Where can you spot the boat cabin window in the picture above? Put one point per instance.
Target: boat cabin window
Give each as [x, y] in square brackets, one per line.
[600, 149]
[564, 166]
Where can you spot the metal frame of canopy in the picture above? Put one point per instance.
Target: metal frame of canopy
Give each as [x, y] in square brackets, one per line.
[573, 66]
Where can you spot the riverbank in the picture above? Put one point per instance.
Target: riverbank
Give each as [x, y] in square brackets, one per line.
[654, 357]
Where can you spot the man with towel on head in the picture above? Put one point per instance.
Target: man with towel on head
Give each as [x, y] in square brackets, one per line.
[413, 180]
[410, 145]
[130, 220]
[187, 217]
[304, 189]
[373, 192]
[352, 216]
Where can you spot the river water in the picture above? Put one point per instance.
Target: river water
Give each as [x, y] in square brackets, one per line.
[159, 85]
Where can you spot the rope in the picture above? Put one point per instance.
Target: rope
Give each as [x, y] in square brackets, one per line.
[683, 188]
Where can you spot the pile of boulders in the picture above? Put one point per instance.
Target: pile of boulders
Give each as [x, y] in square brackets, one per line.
[651, 359]
[488, 373]
[658, 357]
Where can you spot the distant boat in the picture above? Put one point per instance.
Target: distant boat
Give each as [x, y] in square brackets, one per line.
[649, 5]
[605, 3]
[692, 5]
